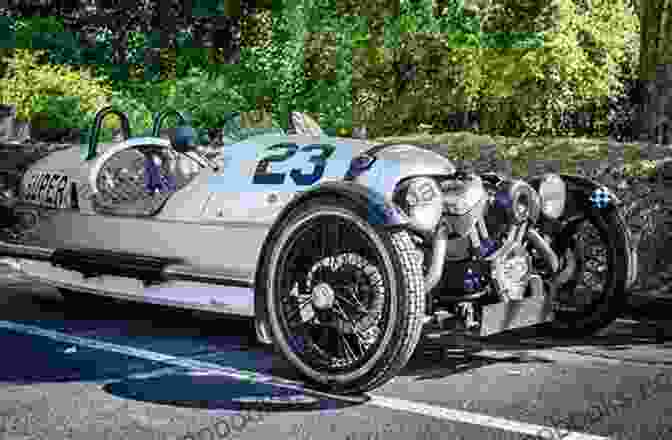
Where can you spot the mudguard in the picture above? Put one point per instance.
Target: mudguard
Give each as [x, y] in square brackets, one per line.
[583, 194]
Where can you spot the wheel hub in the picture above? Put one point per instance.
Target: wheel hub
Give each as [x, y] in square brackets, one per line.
[323, 296]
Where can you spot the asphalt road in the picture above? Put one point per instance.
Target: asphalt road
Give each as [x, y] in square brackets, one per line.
[106, 371]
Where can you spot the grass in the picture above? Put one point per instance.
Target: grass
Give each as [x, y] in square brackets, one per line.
[565, 152]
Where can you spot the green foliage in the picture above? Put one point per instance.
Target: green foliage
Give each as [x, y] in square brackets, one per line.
[37, 32]
[61, 47]
[62, 111]
[187, 56]
[579, 65]
[205, 97]
[139, 115]
[277, 69]
[25, 79]
[523, 62]
[446, 49]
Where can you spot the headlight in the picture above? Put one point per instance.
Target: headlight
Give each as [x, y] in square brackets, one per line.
[553, 194]
[421, 191]
[421, 198]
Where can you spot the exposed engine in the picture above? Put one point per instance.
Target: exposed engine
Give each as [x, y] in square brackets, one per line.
[491, 216]
[479, 237]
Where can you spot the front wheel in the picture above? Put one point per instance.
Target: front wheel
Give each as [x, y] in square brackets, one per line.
[344, 300]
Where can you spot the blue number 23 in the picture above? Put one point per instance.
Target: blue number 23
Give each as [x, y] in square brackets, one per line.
[286, 151]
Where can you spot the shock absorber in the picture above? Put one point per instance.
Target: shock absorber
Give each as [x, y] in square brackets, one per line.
[481, 246]
[480, 239]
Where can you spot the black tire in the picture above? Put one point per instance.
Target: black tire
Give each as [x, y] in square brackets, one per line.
[608, 228]
[398, 317]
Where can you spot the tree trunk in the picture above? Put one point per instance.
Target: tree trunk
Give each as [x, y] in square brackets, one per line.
[655, 71]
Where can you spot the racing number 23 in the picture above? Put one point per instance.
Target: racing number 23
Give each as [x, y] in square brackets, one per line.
[286, 151]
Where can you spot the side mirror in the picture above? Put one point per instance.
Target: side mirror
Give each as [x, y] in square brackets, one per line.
[90, 153]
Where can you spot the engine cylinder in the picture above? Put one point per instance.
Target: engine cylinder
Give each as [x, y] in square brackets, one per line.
[519, 200]
[464, 202]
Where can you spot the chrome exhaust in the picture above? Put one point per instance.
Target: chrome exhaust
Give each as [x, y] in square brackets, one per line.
[439, 249]
[543, 247]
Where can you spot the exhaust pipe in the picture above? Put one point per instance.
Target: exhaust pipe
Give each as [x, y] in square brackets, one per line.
[542, 246]
[440, 247]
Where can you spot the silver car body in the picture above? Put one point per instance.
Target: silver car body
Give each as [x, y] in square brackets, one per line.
[217, 222]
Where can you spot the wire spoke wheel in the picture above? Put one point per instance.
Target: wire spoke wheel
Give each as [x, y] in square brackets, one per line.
[344, 300]
[337, 301]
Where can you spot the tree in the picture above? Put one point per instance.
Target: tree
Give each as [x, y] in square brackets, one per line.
[212, 24]
[655, 70]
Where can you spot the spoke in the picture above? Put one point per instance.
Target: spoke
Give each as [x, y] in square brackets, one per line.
[359, 303]
[297, 310]
[351, 292]
[340, 311]
[363, 341]
[359, 342]
[348, 302]
[346, 346]
[358, 307]
[355, 330]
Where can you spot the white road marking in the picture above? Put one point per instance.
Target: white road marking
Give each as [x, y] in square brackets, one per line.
[380, 401]
[176, 361]
[471, 418]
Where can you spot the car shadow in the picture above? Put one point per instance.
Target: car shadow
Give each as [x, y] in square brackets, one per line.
[209, 340]
[441, 354]
[213, 391]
